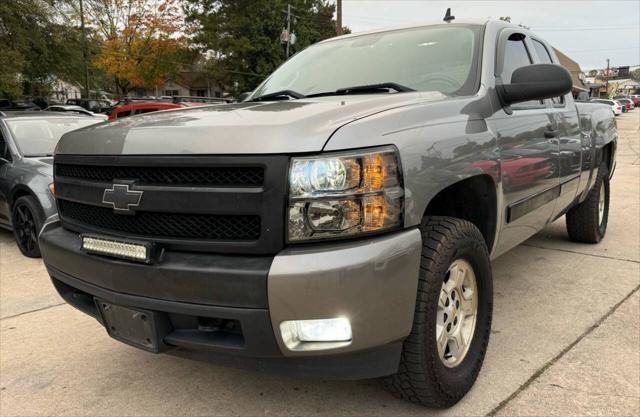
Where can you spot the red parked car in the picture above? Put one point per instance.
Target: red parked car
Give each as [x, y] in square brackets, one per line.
[626, 101]
[142, 107]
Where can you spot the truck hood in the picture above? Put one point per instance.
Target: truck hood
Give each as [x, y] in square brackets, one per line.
[244, 128]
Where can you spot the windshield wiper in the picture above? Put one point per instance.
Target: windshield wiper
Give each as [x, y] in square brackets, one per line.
[39, 155]
[282, 93]
[366, 89]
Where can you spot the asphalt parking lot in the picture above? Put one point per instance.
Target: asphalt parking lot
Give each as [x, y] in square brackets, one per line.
[565, 340]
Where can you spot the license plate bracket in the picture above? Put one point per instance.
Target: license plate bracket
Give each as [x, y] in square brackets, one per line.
[143, 329]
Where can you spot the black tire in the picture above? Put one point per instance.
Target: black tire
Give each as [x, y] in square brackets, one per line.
[27, 221]
[422, 376]
[584, 223]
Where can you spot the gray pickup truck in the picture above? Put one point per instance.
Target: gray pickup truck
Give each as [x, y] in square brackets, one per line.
[340, 221]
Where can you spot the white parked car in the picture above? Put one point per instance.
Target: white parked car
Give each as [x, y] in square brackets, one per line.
[76, 109]
[615, 105]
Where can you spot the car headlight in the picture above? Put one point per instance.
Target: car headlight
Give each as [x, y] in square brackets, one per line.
[344, 194]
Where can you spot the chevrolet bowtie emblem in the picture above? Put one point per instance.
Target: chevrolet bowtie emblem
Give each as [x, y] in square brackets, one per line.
[121, 198]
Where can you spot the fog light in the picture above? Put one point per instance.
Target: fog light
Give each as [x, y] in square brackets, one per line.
[295, 332]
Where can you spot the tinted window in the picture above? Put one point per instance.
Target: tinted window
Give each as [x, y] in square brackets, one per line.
[543, 54]
[515, 56]
[142, 111]
[545, 58]
[39, 137]
[439, 58]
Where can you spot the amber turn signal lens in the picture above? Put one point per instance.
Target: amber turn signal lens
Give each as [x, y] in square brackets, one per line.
[374, 172]
[52, 189]
[375, 212]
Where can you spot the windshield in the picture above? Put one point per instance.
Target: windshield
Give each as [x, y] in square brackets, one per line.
[437, 58]
[39, 137]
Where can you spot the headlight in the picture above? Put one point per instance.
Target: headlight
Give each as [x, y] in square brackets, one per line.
[344, 194]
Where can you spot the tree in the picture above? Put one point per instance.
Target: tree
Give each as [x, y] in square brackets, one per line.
[37, 45]
[635, 75]
[142, 42]
[243, 35]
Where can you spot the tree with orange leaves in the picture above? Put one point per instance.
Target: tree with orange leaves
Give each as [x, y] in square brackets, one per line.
[142, 43]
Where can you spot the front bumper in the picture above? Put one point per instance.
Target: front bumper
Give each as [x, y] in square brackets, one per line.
[372, 282]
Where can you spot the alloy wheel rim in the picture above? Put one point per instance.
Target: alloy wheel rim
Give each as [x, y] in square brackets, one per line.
[457, 313]
[601, 204]
[25, 228]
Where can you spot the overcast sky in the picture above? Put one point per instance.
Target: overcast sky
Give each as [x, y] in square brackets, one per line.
[588, 31]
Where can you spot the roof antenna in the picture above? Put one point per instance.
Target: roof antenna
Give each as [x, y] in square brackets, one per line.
[447, 17]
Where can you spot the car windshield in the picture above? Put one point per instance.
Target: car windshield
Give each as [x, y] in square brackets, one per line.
[437, 58]
[38, 137]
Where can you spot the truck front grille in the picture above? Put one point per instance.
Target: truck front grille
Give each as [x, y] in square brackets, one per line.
[180, 176]
[165, 225]
[219, 204]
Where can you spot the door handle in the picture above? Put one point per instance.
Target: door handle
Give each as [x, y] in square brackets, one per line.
[550, 134]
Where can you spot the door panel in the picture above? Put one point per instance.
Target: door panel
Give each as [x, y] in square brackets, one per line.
[528, 143]
[570, 153]
[567, 124]
[529, 172]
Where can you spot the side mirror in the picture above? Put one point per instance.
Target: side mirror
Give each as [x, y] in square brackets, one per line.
[535, 82]
[243, 96]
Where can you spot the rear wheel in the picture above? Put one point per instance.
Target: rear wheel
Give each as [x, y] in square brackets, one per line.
[27, 222]
[587, 222]
[443, 355]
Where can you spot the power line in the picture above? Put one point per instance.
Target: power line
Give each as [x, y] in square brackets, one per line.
[603, 50]
[585, 29]
[594, 27]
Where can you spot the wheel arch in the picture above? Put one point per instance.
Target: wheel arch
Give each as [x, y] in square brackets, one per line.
[473, 199]
[22, 190]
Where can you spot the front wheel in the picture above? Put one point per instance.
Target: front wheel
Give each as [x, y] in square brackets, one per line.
[442, 356]
[27, 222]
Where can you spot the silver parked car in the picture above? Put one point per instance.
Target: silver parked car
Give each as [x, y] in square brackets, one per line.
[77, 110]
[27, 141]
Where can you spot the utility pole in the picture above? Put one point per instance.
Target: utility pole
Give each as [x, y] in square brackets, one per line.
[606, 78]
[288, 28]
[84, 50]
[338, 17]
[286, 36]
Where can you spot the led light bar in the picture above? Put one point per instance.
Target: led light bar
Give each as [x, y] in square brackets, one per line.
[136, 251]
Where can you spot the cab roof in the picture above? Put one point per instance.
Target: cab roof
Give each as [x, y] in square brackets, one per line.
[414, 25]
